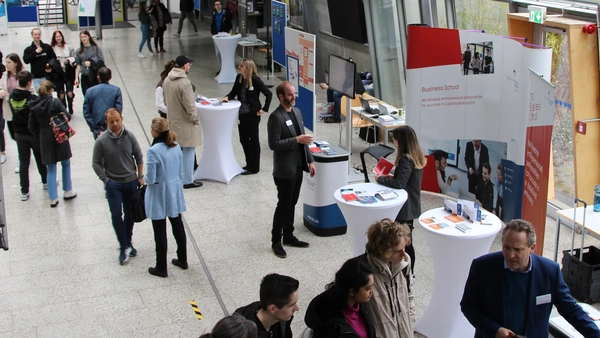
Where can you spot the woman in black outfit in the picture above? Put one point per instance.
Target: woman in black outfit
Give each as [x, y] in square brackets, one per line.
[247, 87]
[162, 17]
[407, 175]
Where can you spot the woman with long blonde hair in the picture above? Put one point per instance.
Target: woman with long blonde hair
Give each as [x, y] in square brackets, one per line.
[408, 175]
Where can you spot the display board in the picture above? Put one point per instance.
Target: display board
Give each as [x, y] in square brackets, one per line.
[106, 14]
[300, 60]
[21, 11]
[3, 19]
[87, 8]
[278, 23]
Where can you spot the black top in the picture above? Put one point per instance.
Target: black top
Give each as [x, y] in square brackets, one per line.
[252, 94]
[276, 331]
[38, 60]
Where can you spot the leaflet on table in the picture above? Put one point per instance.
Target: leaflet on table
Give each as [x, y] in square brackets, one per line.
[383, 167]
[454, 218]
[387, 194]
[348, 195]
[438, 226]
[463, 227]
[322, 144]
[367, 199]
[328, 151]
[314, 149]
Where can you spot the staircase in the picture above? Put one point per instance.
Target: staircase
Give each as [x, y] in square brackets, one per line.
[51, 12]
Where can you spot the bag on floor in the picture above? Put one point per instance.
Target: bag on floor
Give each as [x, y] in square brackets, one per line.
[60, 128]
[138, 205]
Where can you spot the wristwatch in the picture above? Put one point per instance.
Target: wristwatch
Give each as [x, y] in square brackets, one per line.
[140, 176]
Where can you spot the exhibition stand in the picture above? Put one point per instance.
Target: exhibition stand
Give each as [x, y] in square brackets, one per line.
[322, 216]
[218, 162]
[452, 252]
[360, 216]
[226, 45]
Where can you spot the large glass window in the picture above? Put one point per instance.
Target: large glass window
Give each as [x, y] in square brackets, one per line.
[486, 15]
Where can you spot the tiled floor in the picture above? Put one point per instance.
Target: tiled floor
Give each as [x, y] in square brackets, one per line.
[61, 276]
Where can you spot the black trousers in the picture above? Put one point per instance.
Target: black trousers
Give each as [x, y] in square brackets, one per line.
[248, 128]
[159, 38]
[410, 249]
[86, 83]
[26, 144]
[288, 191]
[160, 239]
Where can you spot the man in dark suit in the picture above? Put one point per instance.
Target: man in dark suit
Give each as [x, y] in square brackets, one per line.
[512, 292]
[476, 154]
[485, 189]
[290, 157]
[466, 61]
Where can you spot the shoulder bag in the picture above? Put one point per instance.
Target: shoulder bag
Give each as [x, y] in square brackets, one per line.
[60, 128]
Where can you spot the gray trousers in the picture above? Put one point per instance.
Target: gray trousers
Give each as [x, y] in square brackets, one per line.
[190, 16]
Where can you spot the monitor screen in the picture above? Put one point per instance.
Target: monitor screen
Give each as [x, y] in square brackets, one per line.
[341, 75]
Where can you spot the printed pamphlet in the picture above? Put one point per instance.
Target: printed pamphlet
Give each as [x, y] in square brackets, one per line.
[383, 167]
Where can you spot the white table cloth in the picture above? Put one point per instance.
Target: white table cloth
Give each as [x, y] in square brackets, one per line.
[227, 45]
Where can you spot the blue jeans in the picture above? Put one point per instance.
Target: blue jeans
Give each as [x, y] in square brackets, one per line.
[51, 178]
[119, 197]
[145, 37]
[336, 98]
[188, 164]
[37, 82]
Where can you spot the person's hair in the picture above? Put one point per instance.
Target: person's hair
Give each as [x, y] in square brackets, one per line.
[521, 225]
[142, 7]
[24, 77]
[439, 154]
[104, 74]
[476, 54]
[16, 59]
[36, 29]
[280, 90]
[111, 111]
[53, 42]
[409, 144]
[219, 1]
[487, 166]
[499, 166]
[234, 326]
[383, 236]
[45, 88]
[250, 71]
[161, 125]
[168, 67]
[92, 42]
[351, 277]
[277, 289]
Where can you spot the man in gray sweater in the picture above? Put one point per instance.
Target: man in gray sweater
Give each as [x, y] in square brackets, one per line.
[119, 163]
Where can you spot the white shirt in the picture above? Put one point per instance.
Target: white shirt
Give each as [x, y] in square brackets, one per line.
[477, 155]
[160, 99]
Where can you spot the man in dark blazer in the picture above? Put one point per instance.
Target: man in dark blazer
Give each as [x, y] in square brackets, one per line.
[476, 154]
[290, 158]
[512, 292]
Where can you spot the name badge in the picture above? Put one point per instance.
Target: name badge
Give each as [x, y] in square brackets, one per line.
[289, 123]
[543, 299]
[251, 88]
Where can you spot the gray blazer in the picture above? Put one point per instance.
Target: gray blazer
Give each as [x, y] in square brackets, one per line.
[408, 178]
[282, 140]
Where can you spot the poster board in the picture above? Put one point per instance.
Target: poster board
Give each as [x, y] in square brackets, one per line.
[3, 18]
[86, 8]
[300, 60]
[278, 22]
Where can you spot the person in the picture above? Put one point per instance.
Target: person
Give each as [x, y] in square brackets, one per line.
[66, 57]
[2, 139]
[99, 99]
[392, 305]
[19, 102]
[89, 59]
[164, 195]
[118, 161]
[488, 62]
[234, 326]
[274, 313]
[343, 310]
[232, 7]
[335, 97]
[163, 17]
[444, 183]
[485, 189]
[183, 118]
[499, 192]
[144, 18]
[291, 156]
[512, 292]
[186, 7]
[52, 152]
[221, 22]
[37, 55]
[476, 63]
[159, 96]
[247, 88]
[476, 154]
[408, 175]
[466, 60]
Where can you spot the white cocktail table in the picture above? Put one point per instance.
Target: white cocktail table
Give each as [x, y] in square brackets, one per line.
[226, 44]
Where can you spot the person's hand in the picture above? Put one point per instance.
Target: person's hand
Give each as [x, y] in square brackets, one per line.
[38, 50]
[3, 94]
[304, 139]
[140, 182]
[453, 177]
[323, 85]
[48, 70]
[377, 176]
[87, 63]
[504, 333]
[312, 169]
[471, 171]
[76, 83]
[225, 99]
[260, 112]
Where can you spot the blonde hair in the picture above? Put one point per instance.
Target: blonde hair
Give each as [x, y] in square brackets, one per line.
[45, 89]
[250, 71]
[409, 144]
[383, 236]
[161, 125]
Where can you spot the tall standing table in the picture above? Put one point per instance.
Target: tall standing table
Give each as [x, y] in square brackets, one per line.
[226, 44]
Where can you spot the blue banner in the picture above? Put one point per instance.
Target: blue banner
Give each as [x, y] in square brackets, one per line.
[512, 177]
[278, 23]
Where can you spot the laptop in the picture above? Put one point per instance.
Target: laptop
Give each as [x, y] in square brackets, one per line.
[252, 38]
[383, 109]
[367, 107]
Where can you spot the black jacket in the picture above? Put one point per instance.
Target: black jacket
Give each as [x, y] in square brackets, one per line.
[328, 322]
[225, 22]
[277, 331]
[19, 101]
[406, 177]
[153, 10]
[252, 93]
[39, 124]
[38, 60]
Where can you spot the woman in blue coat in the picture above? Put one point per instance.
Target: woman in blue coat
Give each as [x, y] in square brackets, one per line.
[164, 195]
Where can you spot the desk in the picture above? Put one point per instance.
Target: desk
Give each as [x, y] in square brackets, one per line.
[452, 252]
[560, 328]
[226, 45]
[245, 44]
[592, 223]
[360, 216]
[218, 161]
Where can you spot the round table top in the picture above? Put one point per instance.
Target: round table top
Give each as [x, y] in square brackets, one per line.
[232, 104]
[478, 230]
[370, 189]
[226, 36]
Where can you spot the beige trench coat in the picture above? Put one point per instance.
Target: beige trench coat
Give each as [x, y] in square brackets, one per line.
[180, 100]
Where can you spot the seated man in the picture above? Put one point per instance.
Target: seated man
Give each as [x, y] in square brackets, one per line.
[485, 189]
[274, 312]
[444, 183]
[336, 98]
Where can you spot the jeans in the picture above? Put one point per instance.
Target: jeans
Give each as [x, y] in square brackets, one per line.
[160, 239]
[119, 197]
[288, 191]
[336, 98]
[190, 16]
[145, 28]
[188, 164]
[37, 82]
[26, 144]
[66, 178]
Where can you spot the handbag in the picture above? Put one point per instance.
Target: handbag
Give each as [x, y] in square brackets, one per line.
[138, 205]
[60, 128]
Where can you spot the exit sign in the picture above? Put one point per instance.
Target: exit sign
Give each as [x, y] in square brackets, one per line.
[536, 14]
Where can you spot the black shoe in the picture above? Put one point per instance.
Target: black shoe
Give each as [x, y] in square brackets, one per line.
[157, 273]
[295, 242]
[332, 120]
[245, 168]
[278, 250]
[196, 184]
[246, 172]
[182, 265]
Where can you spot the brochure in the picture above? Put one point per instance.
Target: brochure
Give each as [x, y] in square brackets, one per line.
[454, 218]
[438, 226]
[383, 167]
[386, 194]
[429, 220]
[367, 199]
[463, 227]
[348, 195]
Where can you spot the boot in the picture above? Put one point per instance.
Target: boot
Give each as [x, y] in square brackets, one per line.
[70, 103]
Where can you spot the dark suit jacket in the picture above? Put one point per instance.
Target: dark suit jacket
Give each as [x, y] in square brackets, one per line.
[258, 86]
[483, 301]
[470, 158]
[282, 140]
[408, 178]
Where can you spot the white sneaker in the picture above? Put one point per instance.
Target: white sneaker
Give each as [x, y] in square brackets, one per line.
[17, 170]
[154, 54]
[2, 158]
[24, 197]
[141, 55]
[176, 35]
[69, 195]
